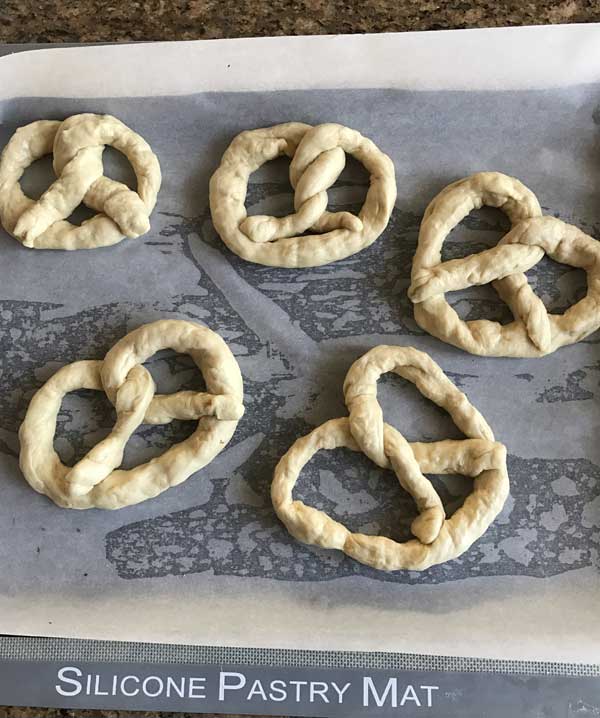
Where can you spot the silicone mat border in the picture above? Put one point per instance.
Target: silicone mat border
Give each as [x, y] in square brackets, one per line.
[31, 648]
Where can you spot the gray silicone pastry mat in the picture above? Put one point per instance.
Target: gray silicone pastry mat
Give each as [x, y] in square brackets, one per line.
[212, 548]
[23, 648]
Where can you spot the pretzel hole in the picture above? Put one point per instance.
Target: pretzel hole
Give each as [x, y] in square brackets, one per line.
[366, 499]
[150, 441]
[558, 285]
[118, 167]
[350, 190]
[38, 177]
[174, 372]
[480, 303]
[85, 418]
[481, 229]
[269, 191]
[418, 418]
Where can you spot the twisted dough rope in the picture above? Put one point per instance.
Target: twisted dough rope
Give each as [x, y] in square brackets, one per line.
[534, 332]
[318, 157]
[95, 481]
[77, 144]
[437, 540]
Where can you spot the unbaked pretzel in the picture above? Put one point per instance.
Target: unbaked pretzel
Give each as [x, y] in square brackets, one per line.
[318, 157]
[437, 539]
[77, 144]
[534, 332]
[95, 481]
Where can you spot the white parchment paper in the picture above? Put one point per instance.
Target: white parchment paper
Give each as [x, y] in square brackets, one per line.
[208, 562]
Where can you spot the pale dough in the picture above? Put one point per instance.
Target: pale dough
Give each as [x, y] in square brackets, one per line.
[318, 157]
[95, 481]
[534, 332]
[479, 456]
[77, 144]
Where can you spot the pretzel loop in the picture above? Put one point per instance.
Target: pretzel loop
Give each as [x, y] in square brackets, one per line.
[95, 481]
[210, 354]
[318, 158]
[131, 403]
[534, 331]
[78, 144]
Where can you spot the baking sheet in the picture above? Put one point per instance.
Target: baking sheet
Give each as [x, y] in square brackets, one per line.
[208, 562]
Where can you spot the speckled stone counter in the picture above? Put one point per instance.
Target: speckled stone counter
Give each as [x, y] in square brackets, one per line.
[62, 713]
[97, 20]
[23, 21]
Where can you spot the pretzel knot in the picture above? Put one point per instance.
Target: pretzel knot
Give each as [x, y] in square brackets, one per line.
[534, 332]
[95, 481]
[437, 538]
[318, 157]
[77, 145]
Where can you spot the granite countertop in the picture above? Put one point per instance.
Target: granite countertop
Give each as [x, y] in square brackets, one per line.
[64, 713]
[23, 21]
[98, 20]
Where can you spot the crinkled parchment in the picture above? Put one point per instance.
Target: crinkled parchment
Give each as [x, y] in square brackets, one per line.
[213, 546]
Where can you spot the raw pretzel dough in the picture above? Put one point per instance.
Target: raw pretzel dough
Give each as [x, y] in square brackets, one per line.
[318, 157]
[95, 481]
[77, 144]
[479, 456]
[534, 332]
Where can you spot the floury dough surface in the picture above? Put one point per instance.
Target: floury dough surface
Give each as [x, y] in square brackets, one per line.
[295, 333]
